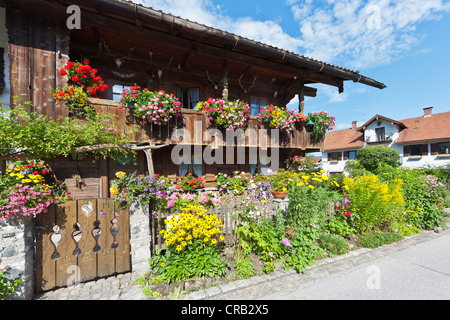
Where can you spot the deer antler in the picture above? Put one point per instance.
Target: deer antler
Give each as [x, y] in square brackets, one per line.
[117, 60]
[216, 85]
[160, 69]
[249, 89]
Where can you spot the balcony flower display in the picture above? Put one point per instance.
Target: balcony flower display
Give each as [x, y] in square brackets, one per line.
[322, 122]
[280, 118]
[83, 82]
[156, 107]
[84, 76]
[229, 115]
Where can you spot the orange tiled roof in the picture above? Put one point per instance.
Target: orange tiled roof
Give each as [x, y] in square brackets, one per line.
[346, 139]
[435, 127]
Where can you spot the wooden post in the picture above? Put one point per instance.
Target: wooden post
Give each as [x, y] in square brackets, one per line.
[2, 166]
[225, 80]
[301, 99]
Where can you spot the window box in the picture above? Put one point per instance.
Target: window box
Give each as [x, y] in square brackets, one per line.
[415, 157]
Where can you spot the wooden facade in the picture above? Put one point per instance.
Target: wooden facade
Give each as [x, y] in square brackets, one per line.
[129, 43]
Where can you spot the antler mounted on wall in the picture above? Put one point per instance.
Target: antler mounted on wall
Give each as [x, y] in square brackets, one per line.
[117, 60]
[160, 69]
[216, 85]
[252, 86]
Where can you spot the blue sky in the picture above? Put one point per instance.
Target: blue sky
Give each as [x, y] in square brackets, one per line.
[404, 44]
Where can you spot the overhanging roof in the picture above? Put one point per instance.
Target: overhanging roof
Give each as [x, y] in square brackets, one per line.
[141, 15]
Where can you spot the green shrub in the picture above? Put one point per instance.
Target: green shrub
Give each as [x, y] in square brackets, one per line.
[376, 239]
[374, 204]
[244, 268]
[307, 205]
[371, 157]
[333, 243]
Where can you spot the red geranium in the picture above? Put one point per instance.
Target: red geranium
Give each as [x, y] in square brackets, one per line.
[84, 76]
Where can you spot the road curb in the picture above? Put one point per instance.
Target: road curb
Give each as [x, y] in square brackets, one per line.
[320, 269]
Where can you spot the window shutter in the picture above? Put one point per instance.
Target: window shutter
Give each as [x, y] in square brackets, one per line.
[424, 149]
[434, 149]
[406, 151]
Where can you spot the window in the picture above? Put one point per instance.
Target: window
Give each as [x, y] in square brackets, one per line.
[190, 164]
[444, 148]
[259, 164]
[380, 134]
[351, 155]
[188, 95]
[415, 150]
[257, 104]
[334, 156]
[117, 91]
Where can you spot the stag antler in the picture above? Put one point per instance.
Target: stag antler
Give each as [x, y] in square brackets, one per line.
[246, 90]
[160, 69]
[216, 85]
[117, 60]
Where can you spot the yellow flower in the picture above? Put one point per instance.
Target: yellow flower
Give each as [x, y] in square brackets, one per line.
[163, 264]
[113, 190]
[178, 248]
[325, 178]
[120, 174]
[311, 187]
[221, 238]
[213, 241]
[284, 189]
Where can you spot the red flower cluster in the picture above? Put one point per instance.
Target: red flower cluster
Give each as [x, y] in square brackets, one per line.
[84, 76]
[191, 183]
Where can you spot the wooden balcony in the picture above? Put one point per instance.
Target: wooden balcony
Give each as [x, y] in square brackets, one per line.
[196, 131]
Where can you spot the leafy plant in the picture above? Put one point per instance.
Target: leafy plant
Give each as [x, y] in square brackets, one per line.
[191, 237]
[22, 131]
[244, 268]
[372, 156]
[374, 204]
[8, 286]
[376, 239]
[333, 243]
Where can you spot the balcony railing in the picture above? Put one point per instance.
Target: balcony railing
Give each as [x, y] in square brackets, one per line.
[198, 131]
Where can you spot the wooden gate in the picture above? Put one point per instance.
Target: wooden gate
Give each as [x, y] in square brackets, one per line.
[81, 240]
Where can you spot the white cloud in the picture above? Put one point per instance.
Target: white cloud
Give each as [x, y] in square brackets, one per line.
[362, 34]
[205, 12]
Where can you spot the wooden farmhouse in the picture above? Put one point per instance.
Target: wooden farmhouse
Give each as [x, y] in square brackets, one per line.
[129, 43]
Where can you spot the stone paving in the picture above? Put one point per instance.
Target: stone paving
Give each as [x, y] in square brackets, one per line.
[121, 287]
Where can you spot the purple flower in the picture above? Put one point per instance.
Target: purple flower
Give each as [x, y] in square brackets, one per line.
[286, 242]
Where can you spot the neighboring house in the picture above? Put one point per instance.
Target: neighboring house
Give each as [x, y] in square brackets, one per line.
[421, 141]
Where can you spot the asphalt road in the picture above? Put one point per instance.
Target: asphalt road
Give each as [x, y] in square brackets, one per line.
[418, 272]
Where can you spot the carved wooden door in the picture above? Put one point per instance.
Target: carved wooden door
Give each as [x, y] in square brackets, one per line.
[81, 240]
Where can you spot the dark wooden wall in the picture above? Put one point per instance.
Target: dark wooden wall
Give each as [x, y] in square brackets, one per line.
[38, 48]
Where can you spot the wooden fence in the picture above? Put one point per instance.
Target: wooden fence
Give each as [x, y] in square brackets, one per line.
[231, 216]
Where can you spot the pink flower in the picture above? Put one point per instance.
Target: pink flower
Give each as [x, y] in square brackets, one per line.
[286, 242]
[170, 203]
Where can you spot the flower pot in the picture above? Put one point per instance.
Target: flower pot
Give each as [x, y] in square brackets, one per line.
[279, 194]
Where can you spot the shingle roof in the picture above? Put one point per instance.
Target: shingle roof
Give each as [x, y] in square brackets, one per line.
[435, 127]
[347, 139]
[344, 73]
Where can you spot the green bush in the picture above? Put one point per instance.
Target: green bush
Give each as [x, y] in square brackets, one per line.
[307, 205]
[376, 239]
[333, 243]
[374, 204]
[244, 268]
[424, 198]
[371, 157]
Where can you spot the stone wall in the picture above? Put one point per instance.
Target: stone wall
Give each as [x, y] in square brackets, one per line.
[17, 253]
